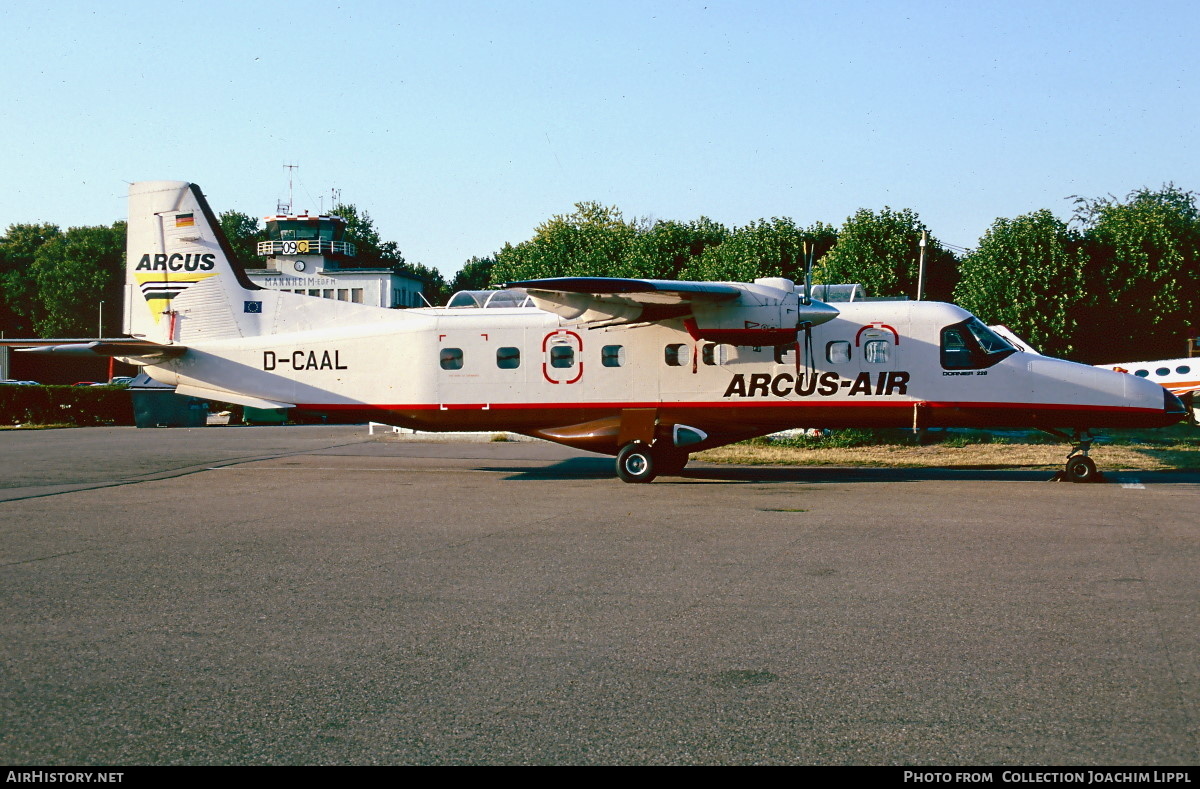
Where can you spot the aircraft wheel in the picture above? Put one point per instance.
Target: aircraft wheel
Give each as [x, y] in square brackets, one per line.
[635, 463]
[671, 462]
[1081, 469]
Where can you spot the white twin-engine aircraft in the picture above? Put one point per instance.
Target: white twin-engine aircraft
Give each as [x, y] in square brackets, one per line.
[646, 370]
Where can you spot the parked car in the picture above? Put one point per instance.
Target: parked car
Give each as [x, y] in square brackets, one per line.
[19, 383]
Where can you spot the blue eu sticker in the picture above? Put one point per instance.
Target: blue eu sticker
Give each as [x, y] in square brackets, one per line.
[253, 306]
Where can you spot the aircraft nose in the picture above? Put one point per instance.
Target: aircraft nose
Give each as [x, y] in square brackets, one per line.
[817, 312]
[1172, 405]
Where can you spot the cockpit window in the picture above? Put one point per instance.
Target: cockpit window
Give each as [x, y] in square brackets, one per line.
[971, 345]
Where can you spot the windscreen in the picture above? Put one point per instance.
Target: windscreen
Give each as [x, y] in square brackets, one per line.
[971, 345]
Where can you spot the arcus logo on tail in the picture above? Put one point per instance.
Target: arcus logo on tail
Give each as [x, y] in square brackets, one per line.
[162, 277]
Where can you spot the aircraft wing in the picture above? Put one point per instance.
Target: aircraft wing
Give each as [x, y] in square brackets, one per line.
[646, 291]
[616, 300]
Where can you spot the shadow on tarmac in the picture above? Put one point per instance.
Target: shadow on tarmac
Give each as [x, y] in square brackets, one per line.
[602, 468]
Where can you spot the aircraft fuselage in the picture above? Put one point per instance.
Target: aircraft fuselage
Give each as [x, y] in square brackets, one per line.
[878, 364]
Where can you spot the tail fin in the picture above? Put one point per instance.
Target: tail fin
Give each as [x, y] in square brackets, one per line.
[182, 279]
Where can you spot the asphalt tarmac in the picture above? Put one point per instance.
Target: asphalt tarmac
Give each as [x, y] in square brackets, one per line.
[311, 595]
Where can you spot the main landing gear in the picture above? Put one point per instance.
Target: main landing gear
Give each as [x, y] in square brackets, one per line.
[640, 462]
[1080, 467]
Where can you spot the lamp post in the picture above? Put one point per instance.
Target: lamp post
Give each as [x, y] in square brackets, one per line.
[921, 267]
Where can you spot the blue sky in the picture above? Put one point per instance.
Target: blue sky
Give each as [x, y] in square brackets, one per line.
[462, 125]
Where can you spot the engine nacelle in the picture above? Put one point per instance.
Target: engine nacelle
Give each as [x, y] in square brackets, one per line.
[768, 312]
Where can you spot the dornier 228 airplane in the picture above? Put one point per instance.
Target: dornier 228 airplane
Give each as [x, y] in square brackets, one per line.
[646, 370]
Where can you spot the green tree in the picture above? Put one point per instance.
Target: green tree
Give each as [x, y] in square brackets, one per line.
[1143, 274]
[436, 290]
[244, 234]
[20, 305]
[371, 250]
[765, 248]
[74, 273]
[593, 241]
[597, 241]
[882, 250]
[1028, 274]
[476, 274]
[666, 249]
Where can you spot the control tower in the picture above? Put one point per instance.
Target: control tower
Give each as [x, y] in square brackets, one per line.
[304, 243]
[309, 254]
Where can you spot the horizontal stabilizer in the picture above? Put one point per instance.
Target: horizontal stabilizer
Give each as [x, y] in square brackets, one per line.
[90, 348]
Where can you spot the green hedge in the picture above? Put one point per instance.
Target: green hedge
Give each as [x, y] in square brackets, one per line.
[69, 405]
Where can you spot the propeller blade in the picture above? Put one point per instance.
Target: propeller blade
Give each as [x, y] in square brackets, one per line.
[808, 262]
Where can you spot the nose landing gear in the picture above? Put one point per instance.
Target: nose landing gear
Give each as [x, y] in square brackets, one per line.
[1080, 467]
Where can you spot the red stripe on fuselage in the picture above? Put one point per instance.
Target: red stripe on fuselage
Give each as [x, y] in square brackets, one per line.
[756, 404]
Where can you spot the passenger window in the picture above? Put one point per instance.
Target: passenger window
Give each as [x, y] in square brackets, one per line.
[562, 356]
[713, 354]
[508, 358]
[1183, 369]
[876, 351]
[1142, 373]
[452, 358]
[675, 354]
[838, 352]
[612, 355]
[1162, 371]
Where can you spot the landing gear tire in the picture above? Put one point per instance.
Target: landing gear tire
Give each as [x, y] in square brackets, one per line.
[636, 463]
[1082, 469]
